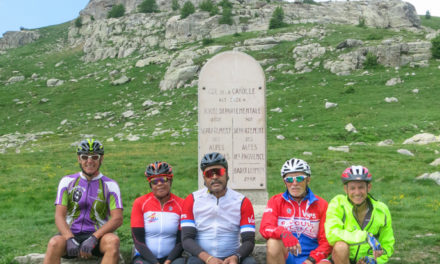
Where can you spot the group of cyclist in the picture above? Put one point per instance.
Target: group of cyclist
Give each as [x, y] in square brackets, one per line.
[216, 224]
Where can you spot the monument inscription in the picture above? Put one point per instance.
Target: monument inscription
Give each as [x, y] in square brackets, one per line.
[232, 117]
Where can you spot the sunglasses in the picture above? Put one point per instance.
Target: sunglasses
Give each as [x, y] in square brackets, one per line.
[86, 157]
[155, 181]
[298, 179]
[210, 173]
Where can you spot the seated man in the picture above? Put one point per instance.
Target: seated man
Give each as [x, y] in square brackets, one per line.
[84, 202]
[358, 226]
[215, 217]
[293, 221]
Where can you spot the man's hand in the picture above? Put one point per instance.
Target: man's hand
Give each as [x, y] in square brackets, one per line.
[72, 247]
[167, 261]
[87, 246]
[291, 242]
[367, 260]
[214, 260]
[375, 246]
[231, 260]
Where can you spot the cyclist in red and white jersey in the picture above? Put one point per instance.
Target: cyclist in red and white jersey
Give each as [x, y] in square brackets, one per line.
[293, 221]
[155, 219]
[215, 217]
[88, 210]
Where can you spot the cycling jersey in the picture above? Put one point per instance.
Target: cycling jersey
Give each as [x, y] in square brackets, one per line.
[341, 225]
[160, 223]
[304, 219]
[218, 221]
[88, 202]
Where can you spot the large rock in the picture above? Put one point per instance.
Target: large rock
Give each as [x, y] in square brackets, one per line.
[15, 79]
[435, 176]
[422, 139]
[14, 39]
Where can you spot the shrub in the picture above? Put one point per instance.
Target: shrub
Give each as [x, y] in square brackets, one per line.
[361, 22]
[148, 6]
[116, 11]
[428, 15]
[187, 9]
[207, 41]
[225, 4]
[206, 5]
[375, 36]
[244, 20]
[371, 61]
[435, 49]
[78, 22]
[277, 18]
[310, 2]
[226, 17]
[175, 5]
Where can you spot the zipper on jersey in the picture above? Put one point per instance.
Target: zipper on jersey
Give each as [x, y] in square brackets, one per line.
[87, 205]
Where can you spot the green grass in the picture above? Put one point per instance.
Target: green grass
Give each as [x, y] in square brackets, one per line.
[30, 178]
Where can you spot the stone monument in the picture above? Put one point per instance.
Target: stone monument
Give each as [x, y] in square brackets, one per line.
[232, 120]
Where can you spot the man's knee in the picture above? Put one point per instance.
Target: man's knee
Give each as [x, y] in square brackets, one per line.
[249, 260]
[109, 241]
[341, 248]
[275, 247]
[57, 242]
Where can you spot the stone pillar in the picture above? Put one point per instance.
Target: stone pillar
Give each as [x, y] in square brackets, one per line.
[232, 120]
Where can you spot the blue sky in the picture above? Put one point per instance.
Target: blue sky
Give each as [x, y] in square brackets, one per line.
[40, 13]
[37, 13]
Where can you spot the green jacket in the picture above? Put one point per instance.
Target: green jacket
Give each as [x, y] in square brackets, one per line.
[341, 225]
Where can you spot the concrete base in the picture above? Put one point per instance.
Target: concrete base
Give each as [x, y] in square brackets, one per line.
[257, 197]
[36, 258]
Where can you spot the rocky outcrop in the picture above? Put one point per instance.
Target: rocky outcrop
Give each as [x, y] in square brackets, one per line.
[14, 39]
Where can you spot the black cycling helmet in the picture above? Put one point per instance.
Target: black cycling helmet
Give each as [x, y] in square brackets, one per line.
[88, 146]
[211, 159]
[159, 168]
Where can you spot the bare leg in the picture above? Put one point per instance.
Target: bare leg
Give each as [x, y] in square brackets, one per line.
[56, 248]
[275, 252]
[341, 253]
[109, 246]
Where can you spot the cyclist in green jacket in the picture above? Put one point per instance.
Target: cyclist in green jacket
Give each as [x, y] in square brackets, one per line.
[358, 226]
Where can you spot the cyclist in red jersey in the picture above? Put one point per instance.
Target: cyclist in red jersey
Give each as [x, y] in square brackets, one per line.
[155, 219]
[88, 210]
[293, 221]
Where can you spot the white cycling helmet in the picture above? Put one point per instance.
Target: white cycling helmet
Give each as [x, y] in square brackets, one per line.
[295, 165]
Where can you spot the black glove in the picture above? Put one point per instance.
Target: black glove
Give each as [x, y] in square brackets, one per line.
[89, 244]
[72, 247]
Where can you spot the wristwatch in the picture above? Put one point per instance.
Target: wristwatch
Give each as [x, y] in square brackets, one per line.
[311, 260]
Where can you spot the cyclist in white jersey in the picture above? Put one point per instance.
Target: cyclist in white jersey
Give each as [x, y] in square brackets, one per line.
[88, 210]
[216, 217]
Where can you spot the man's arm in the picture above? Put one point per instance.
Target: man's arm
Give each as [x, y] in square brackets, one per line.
[323, 249]
[115, 221]
[60, 221]
[138, 234]
[386, 238]
[177, 250]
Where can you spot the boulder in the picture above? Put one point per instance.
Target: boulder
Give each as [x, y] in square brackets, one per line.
[435, 176]
[405, 152]
[435, 162]
[393, 81]
[15, 79]
[350, 128]
[339, 148]
[391, 100]
[386, 142]
[422, 139]
[123, 80]
[54, 82]
[330, 105]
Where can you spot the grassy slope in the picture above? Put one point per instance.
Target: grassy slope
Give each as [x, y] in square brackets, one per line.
[29, 179]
